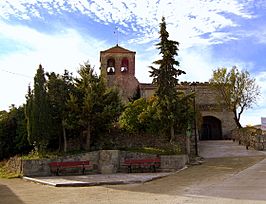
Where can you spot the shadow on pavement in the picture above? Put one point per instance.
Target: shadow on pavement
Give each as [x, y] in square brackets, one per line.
[7, 196]
[199, 180]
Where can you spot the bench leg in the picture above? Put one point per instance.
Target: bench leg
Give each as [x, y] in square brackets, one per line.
[129, 169]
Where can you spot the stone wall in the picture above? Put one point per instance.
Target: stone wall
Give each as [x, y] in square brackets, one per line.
[36, 167]
[173, 162]
[40, 167]
[120, 82]
[109, 161]
[250, 137]
[104, 161]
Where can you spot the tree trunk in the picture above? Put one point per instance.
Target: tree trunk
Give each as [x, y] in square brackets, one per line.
[188, 145]
[88, 137]
[64, 136]
[172, 136]
[237, 120]
[59, 143]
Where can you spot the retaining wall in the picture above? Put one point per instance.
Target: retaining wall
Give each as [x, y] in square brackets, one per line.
[104, 162]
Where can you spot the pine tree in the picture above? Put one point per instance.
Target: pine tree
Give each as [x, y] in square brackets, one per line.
[165, 78]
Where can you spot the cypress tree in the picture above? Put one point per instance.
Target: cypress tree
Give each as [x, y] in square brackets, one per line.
[40, 117]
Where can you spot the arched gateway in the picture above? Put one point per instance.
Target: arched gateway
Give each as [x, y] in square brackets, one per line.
[211, 129]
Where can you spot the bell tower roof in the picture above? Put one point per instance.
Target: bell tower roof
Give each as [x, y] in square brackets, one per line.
[117, 49]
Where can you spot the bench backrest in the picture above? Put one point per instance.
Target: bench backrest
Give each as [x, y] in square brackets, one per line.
[69, 163]
[142, 161]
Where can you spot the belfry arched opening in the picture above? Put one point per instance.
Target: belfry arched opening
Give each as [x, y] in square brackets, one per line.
[211, 129]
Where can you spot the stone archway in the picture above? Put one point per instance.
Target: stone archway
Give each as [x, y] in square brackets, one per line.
[211, 128]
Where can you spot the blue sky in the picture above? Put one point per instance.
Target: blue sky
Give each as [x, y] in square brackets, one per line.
[62, 34]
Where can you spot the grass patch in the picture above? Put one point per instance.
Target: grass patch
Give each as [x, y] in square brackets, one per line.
[155, 150]
[4, 173]
[34, 155]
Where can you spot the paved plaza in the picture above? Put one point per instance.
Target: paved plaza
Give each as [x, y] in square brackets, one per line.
[226, 148]
[97, 179]
[225, 178]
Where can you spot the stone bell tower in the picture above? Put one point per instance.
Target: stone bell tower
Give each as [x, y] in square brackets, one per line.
[118, 67]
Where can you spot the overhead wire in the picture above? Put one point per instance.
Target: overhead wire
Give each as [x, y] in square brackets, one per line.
[15, 73]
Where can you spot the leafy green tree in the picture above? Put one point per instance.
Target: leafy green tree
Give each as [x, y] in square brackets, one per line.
[236, 89]
[21, 140]
[143, 116]
[165, 78]
[95, 106]
[130, 118]
[59, 89]
[90, 90]
[5, 144]
[110, 110]
[13, 133]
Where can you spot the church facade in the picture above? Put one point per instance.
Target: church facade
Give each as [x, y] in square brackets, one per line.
[118, 66]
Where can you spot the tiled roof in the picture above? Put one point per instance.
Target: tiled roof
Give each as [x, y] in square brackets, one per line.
[117, 49]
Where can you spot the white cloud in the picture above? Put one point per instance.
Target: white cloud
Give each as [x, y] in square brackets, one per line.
[197, 63]
[64, 50]
[193, 18]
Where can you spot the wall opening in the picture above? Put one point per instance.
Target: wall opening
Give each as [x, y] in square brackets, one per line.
[124, 65]
[110, 66]
[211, 129]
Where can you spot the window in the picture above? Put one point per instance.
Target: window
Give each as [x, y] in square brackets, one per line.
[110, 66]
[124, 65]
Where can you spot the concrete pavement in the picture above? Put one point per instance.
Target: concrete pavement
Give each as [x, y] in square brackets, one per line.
[96, 179]
[249, 184]
[225, 148]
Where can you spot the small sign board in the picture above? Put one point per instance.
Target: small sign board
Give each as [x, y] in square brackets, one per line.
[263, 123]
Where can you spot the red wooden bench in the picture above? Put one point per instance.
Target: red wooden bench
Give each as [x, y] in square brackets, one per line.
[57, 167]
[151, 163]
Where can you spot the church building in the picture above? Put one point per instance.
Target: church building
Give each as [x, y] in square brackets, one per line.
[118, 66]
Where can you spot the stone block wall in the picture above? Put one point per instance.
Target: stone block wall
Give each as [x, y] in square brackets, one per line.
[104, 161]
[40, 167]
[36, 167]
[108, 161]
[173, 162]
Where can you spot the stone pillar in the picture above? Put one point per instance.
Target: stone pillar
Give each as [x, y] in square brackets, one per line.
[108, 161]
[173, 162]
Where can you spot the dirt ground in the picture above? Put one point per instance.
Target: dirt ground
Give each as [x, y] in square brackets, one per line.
[187, 186]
